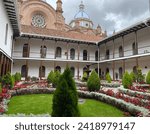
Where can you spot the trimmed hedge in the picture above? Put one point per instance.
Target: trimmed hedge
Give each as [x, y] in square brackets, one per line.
[127, 80]
[53, 78]
[85, 77]
[133, 76]
[17, 77]
[93, 82]
[65, 99]
[148, 78]
[108, 78]
[8, 81]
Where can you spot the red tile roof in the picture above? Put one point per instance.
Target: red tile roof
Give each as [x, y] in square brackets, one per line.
[62, 34]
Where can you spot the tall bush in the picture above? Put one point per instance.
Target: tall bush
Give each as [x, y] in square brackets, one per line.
[65, 99]
[50, 77]
[53, 78]
[93, 82]
[139, 76]
[148, 78]
[17, 77]
[56, 78]
[8, 81]
[127, 80]
[108, 78]
[85, 77]
[133, 76]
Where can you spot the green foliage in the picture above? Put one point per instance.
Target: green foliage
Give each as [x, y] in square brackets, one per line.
[8, 80]
[93, 82]
[148, 78]
[65, 99]
[50, 77]
[108, 78]
[85, 76]
[133, 76]
[127, 80]
[139, 76]
[17, 77]
[53, 78]
[56, 78]
[34, 78]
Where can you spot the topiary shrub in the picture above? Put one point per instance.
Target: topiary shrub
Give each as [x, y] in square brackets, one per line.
[53, 78]
[93, 82]
[108, 78]
[148, 78]
[85, 77]
[133, 76]
[65, 99]
[50, 77]
[17, 77]
[127, 80]
[8, 81]
[139, 76]
[56, 78]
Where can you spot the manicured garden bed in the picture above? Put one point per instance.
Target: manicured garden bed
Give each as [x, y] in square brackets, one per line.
[42, 103]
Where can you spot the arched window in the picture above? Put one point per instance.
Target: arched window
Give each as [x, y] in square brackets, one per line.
[96, 56]
[43, 51]
[107, 54]
[120, 51]
[84, 54]
[72, 71]
[97, 71]
[134, 49]
[120, 73]
[107, 70]
[58, 68]
[42, 71]
[58, 52]
[72, 54]
[25, 50]
[24, 71]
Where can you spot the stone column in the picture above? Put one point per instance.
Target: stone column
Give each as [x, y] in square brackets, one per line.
[113, 48]
[113, 67]
[4, 66]
[123, 65]
[136, 42]
[123, 45]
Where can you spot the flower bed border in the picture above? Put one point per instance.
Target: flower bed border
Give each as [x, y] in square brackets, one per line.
[128, 107]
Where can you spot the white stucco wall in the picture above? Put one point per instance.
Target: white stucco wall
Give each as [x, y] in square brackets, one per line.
[3, 21]
[35, 45]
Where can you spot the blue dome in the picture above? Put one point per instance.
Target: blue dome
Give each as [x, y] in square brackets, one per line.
[81, 14]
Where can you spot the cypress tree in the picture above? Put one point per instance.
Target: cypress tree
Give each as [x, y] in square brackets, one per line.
[65, 99]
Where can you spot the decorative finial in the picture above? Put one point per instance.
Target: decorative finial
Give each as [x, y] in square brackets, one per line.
[81, 6]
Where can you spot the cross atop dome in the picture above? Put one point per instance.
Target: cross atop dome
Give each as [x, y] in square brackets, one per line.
[81, 6]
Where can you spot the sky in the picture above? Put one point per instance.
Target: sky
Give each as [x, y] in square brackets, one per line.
[109, 14]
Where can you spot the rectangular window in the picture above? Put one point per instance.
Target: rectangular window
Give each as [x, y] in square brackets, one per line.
[6, 34]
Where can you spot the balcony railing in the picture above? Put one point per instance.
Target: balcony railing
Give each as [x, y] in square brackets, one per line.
[91, 57]
[127, 53]
[53, 56]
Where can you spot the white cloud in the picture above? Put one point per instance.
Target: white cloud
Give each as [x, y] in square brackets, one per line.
[110, 14]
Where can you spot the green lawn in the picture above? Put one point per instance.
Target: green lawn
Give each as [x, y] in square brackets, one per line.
[42, 103]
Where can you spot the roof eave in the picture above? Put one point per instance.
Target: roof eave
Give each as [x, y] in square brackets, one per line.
[128, 30]
[11, 8]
